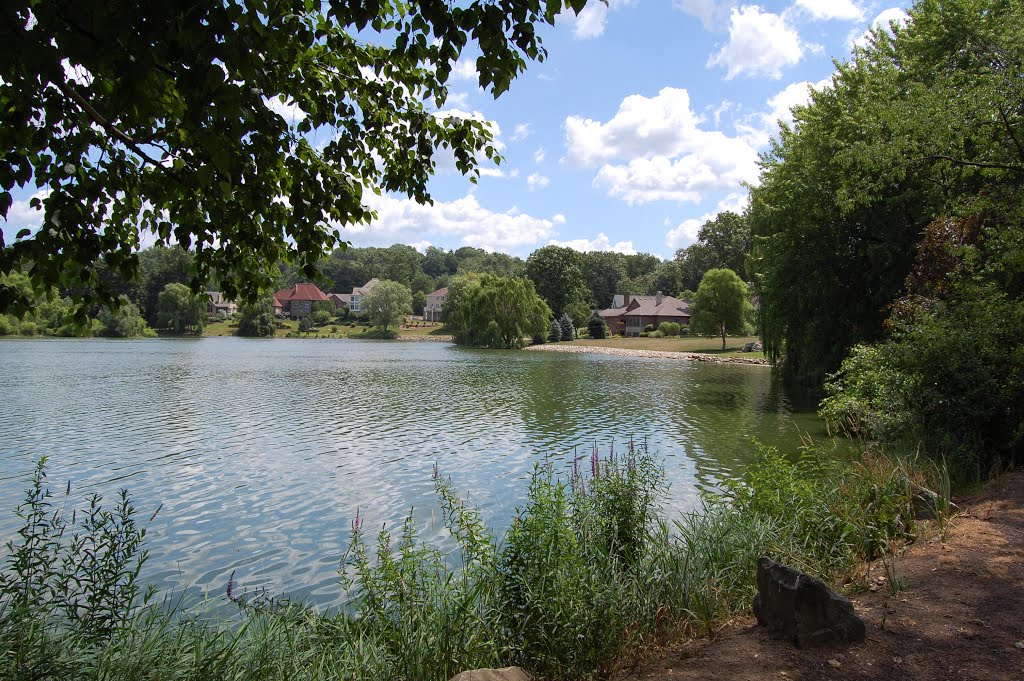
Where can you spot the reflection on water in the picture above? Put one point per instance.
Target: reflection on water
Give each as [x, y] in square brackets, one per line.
[261, 451]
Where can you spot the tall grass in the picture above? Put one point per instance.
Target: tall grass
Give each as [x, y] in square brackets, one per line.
[589, 574]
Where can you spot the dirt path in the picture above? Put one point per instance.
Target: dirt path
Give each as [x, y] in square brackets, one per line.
[960, 617]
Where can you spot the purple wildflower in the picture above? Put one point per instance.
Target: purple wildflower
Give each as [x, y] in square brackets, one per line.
[231, 586]
[357, 522]
[437, 471]
[595, 463]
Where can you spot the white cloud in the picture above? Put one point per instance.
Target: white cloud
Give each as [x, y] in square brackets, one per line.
[723, 164]
[592, 20]
[735, 202]
[795, 94]
[599, 243]
[422, 246]
[712, 13]
[459, 100]
[760, 43]
[21, 215]
[538, 156]
[686, 233]
[825, 10]
[537, 181]
[521, 132]
[882, 21]
[402, 220]
[465, 69]
[289, 111]
[667, 155]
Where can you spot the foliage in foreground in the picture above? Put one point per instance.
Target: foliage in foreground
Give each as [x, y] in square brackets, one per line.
[588, 574]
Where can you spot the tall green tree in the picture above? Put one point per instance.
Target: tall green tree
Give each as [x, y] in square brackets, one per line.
[722, 304]
[604, 273]
[180, 310]
[489, 311]
[171, 126]
[256, 320]
[556, 274]
[387, 304]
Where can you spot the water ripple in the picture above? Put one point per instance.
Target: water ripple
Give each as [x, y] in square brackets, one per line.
[259, 453]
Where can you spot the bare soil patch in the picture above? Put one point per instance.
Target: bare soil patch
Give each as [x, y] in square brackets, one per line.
[961, 616]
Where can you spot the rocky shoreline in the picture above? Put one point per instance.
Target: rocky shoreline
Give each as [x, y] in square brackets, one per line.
[656, 354]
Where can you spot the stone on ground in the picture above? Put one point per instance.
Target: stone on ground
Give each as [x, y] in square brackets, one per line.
[802, 609]
[505, 674]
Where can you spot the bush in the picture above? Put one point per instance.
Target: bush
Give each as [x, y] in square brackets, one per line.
[655, 334]
[321, 317]
[649, 328]
[669, 328]
[597, 327]
[305, 324]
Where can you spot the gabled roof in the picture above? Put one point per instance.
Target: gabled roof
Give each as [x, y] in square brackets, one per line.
[648, 306]
[304, 291]
[365, 288]
[439, 292]
[341, 297]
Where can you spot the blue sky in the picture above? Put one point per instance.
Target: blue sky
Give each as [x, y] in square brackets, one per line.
[644, 121]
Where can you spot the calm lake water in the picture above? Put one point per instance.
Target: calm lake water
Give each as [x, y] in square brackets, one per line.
[259, 452]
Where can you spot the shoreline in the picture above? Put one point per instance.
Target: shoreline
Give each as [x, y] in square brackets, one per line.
[653, 354]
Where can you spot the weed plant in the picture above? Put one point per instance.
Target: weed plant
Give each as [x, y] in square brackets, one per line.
[589, 574]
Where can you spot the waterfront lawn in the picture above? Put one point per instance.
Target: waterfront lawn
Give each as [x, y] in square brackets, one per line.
[287, 326]
[705, 344]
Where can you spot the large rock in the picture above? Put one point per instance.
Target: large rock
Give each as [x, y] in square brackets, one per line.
[505, 674]
[803, 609]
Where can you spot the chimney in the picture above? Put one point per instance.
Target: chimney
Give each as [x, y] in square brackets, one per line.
[658, 298]
[625, 300]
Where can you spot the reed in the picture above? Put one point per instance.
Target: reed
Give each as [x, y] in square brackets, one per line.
[589, 575]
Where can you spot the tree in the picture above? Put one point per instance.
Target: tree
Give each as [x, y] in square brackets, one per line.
[555, 271]
[123, 321]
[555, 332]
[257, 319]
[387, 304]
[568, 328]
[727, 240]
[488, 311]
[597, 327]
[603, 273]
[722, 304]
[166, 122]
[924, 119]
[180, 310]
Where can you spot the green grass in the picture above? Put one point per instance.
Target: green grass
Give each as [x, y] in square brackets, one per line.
[589, 575]
[704, 344]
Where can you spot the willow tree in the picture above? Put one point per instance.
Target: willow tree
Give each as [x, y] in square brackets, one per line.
[246, 132]
[488, 311]
[915, 126]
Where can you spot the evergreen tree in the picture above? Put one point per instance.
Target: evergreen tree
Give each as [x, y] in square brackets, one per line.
[556, 332]
[568, 329]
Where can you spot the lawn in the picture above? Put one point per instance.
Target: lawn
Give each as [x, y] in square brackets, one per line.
[706, 344]
[286, 326]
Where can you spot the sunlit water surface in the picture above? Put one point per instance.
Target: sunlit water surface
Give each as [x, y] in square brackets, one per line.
[259, 452]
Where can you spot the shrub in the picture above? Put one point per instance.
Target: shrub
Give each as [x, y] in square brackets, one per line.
[305, 324]
[649, 328]
[597, 327]
[656, 334]
[555, 334]
[669, 328]
[321, 317]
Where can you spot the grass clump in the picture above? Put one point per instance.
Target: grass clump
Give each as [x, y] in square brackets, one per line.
[589, 574]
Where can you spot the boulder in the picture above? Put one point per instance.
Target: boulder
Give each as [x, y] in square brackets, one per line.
[802, 609]
[752, 346]
[504, 674]
[926, 504]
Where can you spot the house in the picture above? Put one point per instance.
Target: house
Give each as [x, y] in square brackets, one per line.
[219, 307]
[340, 300]
[297, 301]
[356, 300]
[434, 307]
[635, 313]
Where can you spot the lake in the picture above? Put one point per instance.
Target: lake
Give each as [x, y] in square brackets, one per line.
[259, 452]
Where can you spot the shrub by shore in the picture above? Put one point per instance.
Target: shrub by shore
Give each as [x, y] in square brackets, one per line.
[589, 576]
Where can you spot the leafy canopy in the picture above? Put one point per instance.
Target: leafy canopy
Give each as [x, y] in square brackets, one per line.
[722, 304]
[387, 304]
[165, 119]
[488, 311]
